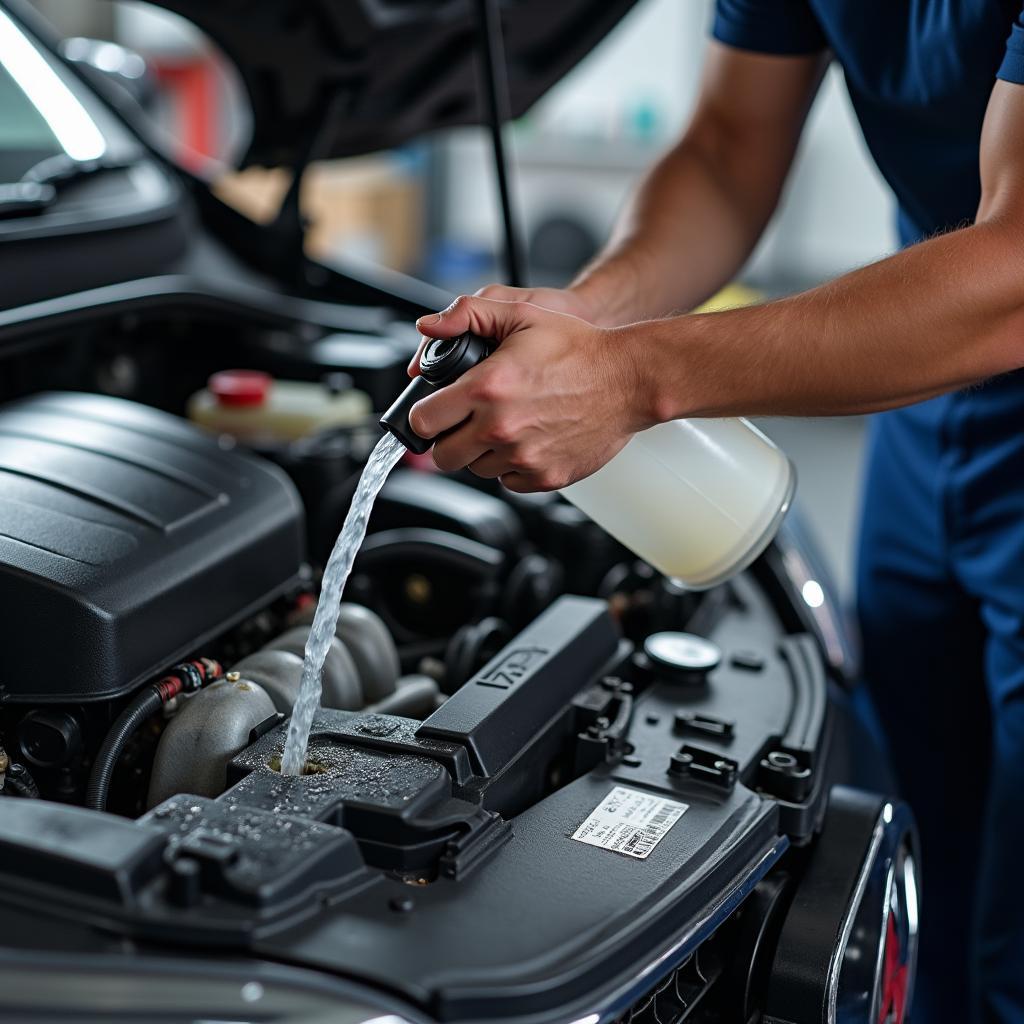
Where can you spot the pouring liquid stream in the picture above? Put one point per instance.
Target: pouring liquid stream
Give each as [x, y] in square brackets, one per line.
[383, 459]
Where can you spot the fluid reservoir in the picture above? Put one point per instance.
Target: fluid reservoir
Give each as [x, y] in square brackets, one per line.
[257, 408]
[698, 499]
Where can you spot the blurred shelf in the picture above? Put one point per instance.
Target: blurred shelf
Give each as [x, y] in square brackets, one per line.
[598, 154]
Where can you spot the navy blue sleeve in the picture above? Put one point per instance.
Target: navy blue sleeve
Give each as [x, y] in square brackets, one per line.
[784, 27]
[1012, 68]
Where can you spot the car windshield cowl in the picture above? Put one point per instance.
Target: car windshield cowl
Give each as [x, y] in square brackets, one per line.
[41, 184]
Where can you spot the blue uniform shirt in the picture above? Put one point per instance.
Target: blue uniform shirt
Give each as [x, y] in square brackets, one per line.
[919, 73]
[941, 569]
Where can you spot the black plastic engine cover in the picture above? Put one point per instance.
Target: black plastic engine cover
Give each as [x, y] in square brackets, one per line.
[127, 539]
[461, 864]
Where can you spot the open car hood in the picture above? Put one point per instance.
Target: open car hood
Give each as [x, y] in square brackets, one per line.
[380, 72]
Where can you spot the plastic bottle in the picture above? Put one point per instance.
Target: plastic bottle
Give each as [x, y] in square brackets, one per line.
[697, 499]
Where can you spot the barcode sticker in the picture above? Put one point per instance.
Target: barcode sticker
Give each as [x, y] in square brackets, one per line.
[630, 822]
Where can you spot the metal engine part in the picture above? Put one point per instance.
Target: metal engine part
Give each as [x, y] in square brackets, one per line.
[340, 679]
[279, 673]
[416, 696]
[371, 646]
[212, 727]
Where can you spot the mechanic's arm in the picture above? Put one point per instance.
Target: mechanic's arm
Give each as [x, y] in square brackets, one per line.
[940, 315]
[698, 214]
[560, 397]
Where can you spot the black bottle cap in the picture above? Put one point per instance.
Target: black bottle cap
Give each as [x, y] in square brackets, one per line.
[443, 361]
[446, 359]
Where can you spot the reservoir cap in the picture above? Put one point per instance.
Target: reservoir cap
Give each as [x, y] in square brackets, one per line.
[240, 387]
[682, 654]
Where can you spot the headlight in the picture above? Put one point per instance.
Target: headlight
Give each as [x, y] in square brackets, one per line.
[799, 569]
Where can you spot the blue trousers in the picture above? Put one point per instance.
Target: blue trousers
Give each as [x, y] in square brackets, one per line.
[941, 608]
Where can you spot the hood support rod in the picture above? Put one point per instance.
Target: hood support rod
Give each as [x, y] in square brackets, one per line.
[494, 75]
[288, 228]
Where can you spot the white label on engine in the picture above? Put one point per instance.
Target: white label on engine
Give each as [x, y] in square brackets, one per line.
[630, 822]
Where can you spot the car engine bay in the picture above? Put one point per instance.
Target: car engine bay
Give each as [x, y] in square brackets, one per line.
[501, 671]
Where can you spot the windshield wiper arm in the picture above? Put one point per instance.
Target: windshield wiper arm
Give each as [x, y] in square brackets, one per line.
[41, 183]
[22, 197]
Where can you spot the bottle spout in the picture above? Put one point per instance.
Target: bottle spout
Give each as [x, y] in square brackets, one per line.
[396, 419]
[443, 361]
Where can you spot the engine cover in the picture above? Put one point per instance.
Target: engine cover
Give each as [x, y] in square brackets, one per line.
[127, 539]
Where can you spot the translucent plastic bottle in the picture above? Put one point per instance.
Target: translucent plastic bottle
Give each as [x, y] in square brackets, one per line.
[698, 499]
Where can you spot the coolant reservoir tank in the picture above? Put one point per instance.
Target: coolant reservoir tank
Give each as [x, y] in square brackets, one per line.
[698, 499]
[257, 408]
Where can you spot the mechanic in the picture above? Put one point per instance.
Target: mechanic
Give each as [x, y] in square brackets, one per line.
[938, 86]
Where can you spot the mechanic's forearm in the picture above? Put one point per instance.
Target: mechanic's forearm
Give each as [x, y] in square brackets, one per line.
[937, 316]
[682, 237]
[696, 217]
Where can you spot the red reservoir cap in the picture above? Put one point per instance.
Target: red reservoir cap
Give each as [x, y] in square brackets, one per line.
[240, 387]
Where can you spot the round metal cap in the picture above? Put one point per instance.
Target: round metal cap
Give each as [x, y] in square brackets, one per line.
[682, 653]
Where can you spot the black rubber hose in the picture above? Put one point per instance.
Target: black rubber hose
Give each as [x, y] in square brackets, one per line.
[19, 781]
[142, 706]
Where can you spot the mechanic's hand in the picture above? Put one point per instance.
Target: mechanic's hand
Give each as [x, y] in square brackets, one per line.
[559, 300]
[555, 401]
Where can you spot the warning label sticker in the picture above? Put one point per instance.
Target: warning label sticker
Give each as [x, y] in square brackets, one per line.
[630, 822]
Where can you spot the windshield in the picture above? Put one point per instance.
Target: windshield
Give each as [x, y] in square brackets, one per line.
[22, 127]
[25, 137]
[43, 110]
